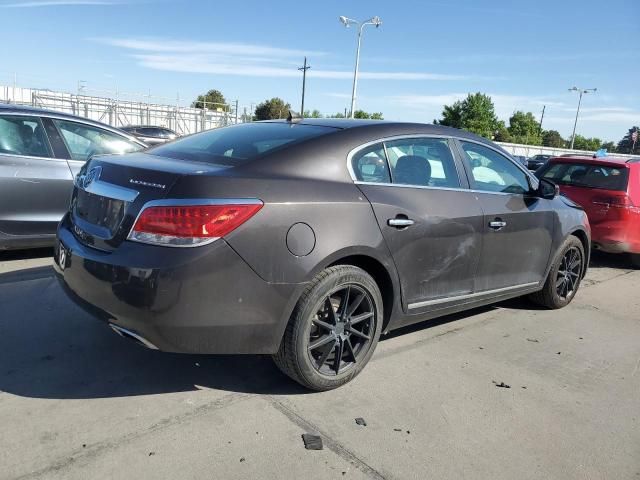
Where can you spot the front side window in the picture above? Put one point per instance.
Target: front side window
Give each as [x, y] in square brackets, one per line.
[493, 172]
[422, 161]
[84, 141]
[370, 165]
[590, 176]
[23, 136]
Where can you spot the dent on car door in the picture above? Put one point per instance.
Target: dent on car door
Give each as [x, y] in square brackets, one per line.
[431, 224]
[83, 140]
[34, 186]
[518, 225]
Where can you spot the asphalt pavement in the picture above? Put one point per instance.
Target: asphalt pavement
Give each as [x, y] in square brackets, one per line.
[503, 392]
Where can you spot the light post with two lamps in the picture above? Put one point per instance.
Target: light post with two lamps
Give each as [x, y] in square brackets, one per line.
[347, 22]
[582, 91]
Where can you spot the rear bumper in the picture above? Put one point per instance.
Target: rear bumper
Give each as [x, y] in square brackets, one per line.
[188, 300]
[617, 237]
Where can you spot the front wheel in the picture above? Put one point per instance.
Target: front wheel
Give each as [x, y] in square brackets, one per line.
[333, 330]
[564, 277]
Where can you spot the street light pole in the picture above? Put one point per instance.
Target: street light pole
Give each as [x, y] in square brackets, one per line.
[575, 124]
[347, 22]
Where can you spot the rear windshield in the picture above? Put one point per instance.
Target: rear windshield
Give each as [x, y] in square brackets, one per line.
[233, 146]
[607, 177]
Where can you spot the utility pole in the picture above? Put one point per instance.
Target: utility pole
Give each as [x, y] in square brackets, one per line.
[304, 69]
[236, 111]
[542, 117]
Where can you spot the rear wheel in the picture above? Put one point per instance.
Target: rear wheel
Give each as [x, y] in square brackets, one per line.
[564, 277]
[333, 330]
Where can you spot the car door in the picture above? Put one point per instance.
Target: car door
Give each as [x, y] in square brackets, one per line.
[35, 187]
[83, 140]
[431, 222]
[518, 225]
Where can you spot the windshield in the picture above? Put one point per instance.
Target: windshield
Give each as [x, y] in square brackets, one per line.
[588, 175]
[233, 146]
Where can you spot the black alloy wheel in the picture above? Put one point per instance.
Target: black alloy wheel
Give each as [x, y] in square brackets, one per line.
[342, 328]
[568, 275]
[333, 330]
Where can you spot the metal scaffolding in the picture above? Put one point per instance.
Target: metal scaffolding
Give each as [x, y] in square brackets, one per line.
[119, 112]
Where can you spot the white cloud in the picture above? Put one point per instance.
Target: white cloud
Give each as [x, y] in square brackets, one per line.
[229, 58]
[56, 3]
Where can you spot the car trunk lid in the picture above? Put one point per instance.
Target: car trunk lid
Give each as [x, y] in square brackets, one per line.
[110, 191]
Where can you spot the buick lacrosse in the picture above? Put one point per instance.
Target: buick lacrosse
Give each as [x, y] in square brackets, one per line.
[307, 239]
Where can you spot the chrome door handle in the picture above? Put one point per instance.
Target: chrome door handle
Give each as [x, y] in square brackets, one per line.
[497, 224]
[400, 222]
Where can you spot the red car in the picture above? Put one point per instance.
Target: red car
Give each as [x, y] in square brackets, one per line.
[608, 188]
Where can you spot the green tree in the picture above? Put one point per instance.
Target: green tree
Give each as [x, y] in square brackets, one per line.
[625, 145]
[475, 113]
[524, 129]
[212, 100]
[610, 147]
[451, 116]
[312, 114]
[272, 109]
[552, 138]
[583, 143]
[337, 115]
[365, 115]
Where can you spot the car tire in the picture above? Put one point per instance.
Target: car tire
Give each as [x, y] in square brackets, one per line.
[564, 276]
[311, 323]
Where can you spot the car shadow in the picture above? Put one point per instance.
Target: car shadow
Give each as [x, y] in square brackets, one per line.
[600, 259]
[50, 348]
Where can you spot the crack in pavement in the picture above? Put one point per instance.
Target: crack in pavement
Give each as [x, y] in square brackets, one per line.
[332, 444]
[96, 449]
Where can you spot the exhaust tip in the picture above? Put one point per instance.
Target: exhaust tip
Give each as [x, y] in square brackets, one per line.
[123, 332]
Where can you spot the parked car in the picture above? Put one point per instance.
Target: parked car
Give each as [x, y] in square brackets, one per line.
[307, 239]
[537, 161]
[608, 188]
[522, 159]
[40, 153]
[150, 134]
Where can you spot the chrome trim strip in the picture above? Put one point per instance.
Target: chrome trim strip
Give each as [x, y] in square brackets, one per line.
[123, 332]
[183, 202]
[424, 187]
[468, 296]
[109, 190]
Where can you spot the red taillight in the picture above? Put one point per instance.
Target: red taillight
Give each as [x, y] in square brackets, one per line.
[190, 225]
[620, 201]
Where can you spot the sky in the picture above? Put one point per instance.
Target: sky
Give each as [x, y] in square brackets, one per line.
[524, 54]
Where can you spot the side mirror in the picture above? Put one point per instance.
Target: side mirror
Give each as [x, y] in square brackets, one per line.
[547, 189]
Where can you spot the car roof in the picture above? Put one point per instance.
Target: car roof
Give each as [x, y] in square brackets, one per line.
[617, 161]
[392, 128]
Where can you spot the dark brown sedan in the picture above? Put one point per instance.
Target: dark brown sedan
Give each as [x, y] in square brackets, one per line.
[309, 239]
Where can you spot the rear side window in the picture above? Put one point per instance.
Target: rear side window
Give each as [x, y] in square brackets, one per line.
[422, 161]
[85, 140]
[23, 136]
[232, 146]
[606, 177]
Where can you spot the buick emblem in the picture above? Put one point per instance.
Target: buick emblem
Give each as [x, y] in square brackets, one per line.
[91, 176]
[62, 257]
